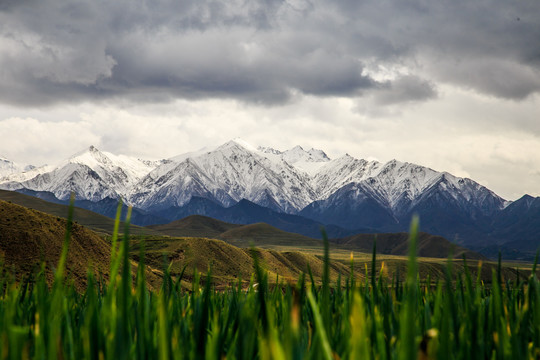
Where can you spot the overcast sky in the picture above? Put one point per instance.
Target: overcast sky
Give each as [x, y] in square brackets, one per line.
[449, 84]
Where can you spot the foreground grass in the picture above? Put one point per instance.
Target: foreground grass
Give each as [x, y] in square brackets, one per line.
[380, 318]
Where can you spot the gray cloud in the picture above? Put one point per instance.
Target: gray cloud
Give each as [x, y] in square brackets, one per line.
[263, 51]
[405, 89]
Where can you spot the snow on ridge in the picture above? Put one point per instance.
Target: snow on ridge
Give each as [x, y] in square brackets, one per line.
[393, 183]
[91, 173]
[268, 150]
[181, 157]
[8, 168]
[298, 154]
[96, 159]
[244, 144]
[207, 149]
[235, 170]
[309, 167]
[230, 173]
[27, 175]
[309, 162]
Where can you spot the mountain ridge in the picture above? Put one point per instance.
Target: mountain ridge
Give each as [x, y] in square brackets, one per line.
[345, 192]
[217, 174]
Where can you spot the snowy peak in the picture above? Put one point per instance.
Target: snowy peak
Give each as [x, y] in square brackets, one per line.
[318, 155]
[298, 154]
[8, 167]
[226, 175]
[268, 150]
[91, 174]
[91, 157]
[296, 177]
[103, 162]
[306, 161]
[399, 186]
[241, 143]
[339, 172]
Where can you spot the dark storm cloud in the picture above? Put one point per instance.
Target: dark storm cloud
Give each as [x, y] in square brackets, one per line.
[263, 51]
[405, 89]
[489, 46]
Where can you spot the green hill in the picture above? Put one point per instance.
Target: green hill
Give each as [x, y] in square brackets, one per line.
[30, 238]
[260, 235]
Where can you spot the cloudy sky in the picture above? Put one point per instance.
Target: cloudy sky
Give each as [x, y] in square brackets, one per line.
[450, 84]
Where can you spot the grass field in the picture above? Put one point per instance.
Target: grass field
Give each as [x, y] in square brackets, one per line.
[379, 317]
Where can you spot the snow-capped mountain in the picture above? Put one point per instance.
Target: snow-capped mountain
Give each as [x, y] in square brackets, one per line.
[295, 155]
[8, 167]
[31, 172]
[93, 175]
[309, 161]
[226, 175]
[286, 181]
[292, 181]
[398, 186]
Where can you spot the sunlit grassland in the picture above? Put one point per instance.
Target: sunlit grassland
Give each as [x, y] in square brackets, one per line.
[379, 316]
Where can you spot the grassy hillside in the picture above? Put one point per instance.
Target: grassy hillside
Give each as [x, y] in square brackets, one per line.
[84, 217]
[396, 244]
[260, 235]
[266, 236]
[29, 237]
[194, 226]
[228, 263]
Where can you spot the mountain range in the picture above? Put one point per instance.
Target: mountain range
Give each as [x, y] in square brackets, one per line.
[295, 190]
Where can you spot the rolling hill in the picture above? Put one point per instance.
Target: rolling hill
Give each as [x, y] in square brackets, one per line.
[229, 263]
[396, 244]
[29, 237]
[266, 236]
[194, 226]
